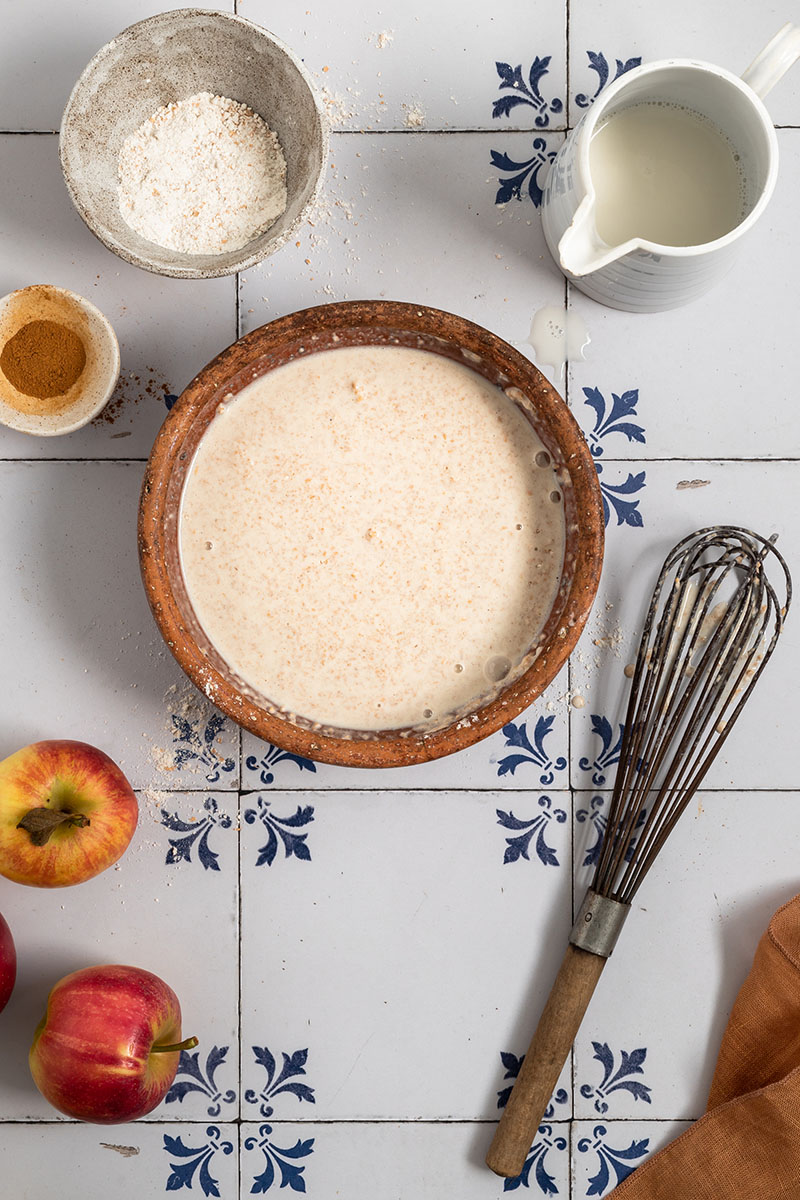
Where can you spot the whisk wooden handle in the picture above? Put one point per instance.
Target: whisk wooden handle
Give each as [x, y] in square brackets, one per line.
[547, 1053]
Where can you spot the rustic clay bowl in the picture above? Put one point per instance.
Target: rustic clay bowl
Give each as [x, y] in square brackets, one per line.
[170, 57]
[354, 324]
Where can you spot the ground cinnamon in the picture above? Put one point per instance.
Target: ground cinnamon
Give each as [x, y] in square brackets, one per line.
[43, 359]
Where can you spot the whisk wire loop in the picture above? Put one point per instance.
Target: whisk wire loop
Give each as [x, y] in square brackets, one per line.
[711, 627]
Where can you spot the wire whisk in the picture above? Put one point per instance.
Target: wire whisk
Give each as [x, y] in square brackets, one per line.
[713, 622]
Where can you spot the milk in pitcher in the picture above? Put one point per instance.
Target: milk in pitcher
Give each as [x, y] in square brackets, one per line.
[665, 174]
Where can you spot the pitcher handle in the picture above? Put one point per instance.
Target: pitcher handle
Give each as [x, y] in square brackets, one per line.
[774, 60]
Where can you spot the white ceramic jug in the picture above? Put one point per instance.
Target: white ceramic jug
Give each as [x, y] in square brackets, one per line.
[645, 276]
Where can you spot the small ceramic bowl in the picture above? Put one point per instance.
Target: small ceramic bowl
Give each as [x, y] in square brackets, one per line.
[376, 323]
[167, 58]
[91, 391]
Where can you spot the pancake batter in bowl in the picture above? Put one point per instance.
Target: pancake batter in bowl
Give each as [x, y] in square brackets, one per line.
[372, 537]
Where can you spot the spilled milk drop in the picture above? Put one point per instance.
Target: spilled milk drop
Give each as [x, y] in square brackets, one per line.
[557, 337]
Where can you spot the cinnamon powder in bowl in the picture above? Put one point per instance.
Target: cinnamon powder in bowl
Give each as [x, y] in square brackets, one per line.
[59, 360]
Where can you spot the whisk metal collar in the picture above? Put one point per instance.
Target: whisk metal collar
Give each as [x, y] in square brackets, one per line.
[598, 924]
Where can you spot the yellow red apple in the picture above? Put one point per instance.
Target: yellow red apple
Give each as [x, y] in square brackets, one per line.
[8, 963]
[66, 813]
[108, 1047]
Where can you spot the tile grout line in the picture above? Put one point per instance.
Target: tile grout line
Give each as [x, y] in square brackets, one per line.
[453, 130]
[570, 1145]
[240, 1057]
[565, 1122]
[719, 460]
[239, 1007]
[567, 79]
[572, 1065]
[420, 790]
[698, 458]
[567, 381]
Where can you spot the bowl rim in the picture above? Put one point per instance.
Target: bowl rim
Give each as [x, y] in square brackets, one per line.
[180, 271]
[329, 325]
[103, 397]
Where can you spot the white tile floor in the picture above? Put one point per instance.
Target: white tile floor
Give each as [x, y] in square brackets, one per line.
[399, 931]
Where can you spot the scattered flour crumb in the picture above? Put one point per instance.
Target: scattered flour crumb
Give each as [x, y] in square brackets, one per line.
[338, 107]
[382, 40]
[609, 640]
[161, 758]
[155, 797]
[415, 116]
[691, 483]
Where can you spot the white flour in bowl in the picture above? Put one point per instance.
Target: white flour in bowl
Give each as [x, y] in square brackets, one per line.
[202, 176]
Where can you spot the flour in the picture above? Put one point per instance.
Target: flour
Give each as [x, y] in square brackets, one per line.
[202, 176]
[415, 116]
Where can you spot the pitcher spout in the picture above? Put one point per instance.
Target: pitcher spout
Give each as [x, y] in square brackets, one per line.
[581, 249]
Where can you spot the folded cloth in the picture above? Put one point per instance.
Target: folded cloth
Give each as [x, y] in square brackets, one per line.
[747, 1145]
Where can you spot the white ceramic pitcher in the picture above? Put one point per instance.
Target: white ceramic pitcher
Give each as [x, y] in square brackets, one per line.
[644, 276]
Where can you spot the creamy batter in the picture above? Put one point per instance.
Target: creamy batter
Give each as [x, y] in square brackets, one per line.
[372, 537]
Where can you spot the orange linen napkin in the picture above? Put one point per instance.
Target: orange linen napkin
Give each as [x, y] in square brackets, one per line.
[747, 1145]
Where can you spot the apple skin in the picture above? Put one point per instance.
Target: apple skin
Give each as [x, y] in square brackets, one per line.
[64, 777]
[92, 1053]
[8, 963]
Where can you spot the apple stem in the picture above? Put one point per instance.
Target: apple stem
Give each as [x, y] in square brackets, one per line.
[41, 822]
[188, 1044]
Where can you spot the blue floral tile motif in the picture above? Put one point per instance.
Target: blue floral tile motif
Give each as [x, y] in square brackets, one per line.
[519, 846]
[545, 1140]
[615, 495]
[180, 848]
[613, 418]
[517, 738]
[278, 1083]
[169, 400]
[195, 1160]
[283, 828]
[526, 93]
[595, 816]
[291, 1172]
[599, 64]
[619, 1079]
[274, 758]
[621, 1162]
[610, 421]
[609, 749]
[191, 1077]
[530, 174]
[194, 742]
[513, 1066]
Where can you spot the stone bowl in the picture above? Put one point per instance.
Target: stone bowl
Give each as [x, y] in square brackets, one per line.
[357, 323]
[170, 57]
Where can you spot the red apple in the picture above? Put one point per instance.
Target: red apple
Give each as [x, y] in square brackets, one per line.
[66, 813]
[108, 1047]
[8, 963]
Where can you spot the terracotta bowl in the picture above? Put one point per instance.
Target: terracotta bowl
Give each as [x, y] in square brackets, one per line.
[355, 324]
